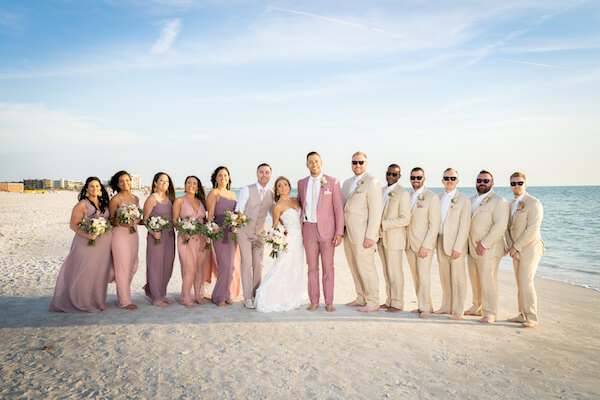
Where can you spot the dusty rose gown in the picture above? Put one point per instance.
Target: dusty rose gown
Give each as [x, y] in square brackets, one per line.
[194, 259]
[83, 278]
[228, 257]
[124, 246]
[159, 257]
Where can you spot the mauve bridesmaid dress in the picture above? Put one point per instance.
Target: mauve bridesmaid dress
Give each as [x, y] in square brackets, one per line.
[83, 278]
[227, 250]
[124, 246]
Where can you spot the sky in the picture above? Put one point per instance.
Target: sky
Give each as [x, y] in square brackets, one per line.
[88, 88]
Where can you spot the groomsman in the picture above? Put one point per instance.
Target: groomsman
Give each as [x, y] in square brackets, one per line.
[255, 201]
[525, 247]
[392, 238]
[322, 218]
[362, 215]
[489, 219]
[452, 246]
[422, 235]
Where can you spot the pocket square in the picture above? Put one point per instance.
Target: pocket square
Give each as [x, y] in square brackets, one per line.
[420, 206]
[327, 191]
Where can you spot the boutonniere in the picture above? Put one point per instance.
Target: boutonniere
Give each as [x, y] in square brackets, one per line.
[485, 200]
[323, 181]
[392, 193]
[521, 206]
[421, 197]
[453, 201]
[360, 182]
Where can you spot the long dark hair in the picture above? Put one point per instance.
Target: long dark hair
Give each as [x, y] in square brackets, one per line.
[200, 193]
[281, 178]
[170, 189]
[114, 181]
[213, 177]
[103, 198]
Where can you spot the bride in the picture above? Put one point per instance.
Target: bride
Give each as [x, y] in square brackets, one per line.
[282, 289]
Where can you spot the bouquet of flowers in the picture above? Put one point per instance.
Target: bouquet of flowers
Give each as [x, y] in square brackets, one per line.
[95, 226]
[188, 226]
[128, 213]
[234, 220]
[157, 224]
[278, 239]
[212, 231]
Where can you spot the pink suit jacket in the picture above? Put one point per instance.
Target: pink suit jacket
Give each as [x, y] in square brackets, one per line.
[330, 208]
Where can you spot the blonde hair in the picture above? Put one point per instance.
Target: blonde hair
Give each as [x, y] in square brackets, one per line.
[359, 153]
[518, 175]
[281, 178]
[449, 170]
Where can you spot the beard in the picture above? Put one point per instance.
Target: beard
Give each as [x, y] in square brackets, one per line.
[482, 189]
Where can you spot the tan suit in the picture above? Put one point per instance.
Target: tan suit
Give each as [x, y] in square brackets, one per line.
[523, 233]
[453, 275]
[362, 217]
[422, 232]
[392, 240]
[488, 223]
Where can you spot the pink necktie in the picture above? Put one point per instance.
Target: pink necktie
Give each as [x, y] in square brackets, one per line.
[261, 194]
[313, 203]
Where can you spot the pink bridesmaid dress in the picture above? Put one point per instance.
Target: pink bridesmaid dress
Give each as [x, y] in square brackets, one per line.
[228, 257]
[83, 278]
[159, 257]
[124, 246]
[194, 258]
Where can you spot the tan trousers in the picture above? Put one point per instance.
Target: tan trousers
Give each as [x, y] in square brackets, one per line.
[252, 253]
[420, 269]
[394, 276]
[483, 272]
[525, 265]
[362, 266]
[453, 277]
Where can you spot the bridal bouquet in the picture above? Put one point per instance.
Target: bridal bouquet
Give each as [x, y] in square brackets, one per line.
[127, 214]
[277, 238]
[234, 220]
[212, 231]
[157, 224]
[95, 226]
[188, 226]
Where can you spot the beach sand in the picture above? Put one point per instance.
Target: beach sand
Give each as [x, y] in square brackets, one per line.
[208, 352]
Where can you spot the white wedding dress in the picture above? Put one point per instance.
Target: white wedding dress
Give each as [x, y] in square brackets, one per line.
[282, 289]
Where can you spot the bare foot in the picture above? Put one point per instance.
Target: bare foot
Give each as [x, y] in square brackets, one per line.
[222, 304]
[440, 311]
[189, 305]
[487, 320]
[368, 309]
[330, 308]
[312, 307]
[529, 324]
[168, 301]
[469, 312]
[160, 304]
[393, 309]
[384, 306]
[200, 301]
[519, 318]
[424, 314]
[354, 304]
[416, 310]
[456, 317]
[130, 307]
[229, 301]
[103, 308]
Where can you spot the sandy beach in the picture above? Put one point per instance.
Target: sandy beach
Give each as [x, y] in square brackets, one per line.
[208, 352]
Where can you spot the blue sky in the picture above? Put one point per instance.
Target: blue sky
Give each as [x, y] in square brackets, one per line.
[92, 87]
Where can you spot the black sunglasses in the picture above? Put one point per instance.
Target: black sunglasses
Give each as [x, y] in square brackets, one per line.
[450, 178]
[517, 183]
[412, 178]
[484, 180]
[392, 173]
[358, 162]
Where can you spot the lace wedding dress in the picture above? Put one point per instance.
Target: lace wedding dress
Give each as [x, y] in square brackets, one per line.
[283, 289]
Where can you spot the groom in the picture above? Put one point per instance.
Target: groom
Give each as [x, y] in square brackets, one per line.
[255, 201]
[322, 218]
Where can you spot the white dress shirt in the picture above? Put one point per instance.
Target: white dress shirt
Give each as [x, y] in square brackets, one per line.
[245, 195]
[308, 199]
[356, 180]
[445, 206]
[415, 196]
[386, 193]
[477, 201]
[516, 204]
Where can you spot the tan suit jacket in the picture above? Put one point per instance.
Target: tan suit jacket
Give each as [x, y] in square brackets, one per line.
[488, 223]
[424, 222]
[523, 229]
[362, 209]
[457, 224]
[395, 220]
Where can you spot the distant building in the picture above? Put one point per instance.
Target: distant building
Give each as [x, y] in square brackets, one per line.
[11, 187]
[136, 182]
[33, 184]
[37, 184]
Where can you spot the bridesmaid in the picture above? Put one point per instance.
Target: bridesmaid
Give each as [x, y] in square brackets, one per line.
[83, 278]
[124, 245]
[218, 201]
[195, 260]
[159, 257]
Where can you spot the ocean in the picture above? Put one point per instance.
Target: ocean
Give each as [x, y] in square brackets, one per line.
[570, 230]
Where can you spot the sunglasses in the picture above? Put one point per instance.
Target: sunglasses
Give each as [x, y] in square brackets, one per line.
[358, 162]
[392, 174]
[484, 180]
[412, 178]
[450, 178]
[517, 183]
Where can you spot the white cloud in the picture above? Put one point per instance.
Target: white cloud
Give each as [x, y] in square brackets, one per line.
[168, 34]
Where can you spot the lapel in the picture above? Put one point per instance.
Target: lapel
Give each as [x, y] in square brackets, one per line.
[358, 185]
